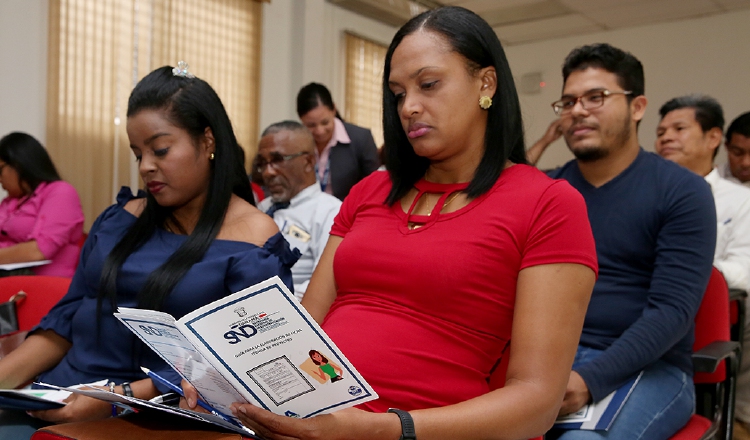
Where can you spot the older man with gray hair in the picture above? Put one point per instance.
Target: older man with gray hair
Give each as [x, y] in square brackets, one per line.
[302, 211]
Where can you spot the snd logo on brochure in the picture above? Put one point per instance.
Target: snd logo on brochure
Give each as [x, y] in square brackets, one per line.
[243, 331]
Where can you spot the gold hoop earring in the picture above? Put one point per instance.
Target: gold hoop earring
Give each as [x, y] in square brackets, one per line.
[485, 102]
[211, 157]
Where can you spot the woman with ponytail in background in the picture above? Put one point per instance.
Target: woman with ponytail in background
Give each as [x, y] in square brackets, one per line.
[344, 153]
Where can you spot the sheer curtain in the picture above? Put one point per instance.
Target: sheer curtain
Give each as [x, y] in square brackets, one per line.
[99, 49]
[364, 84]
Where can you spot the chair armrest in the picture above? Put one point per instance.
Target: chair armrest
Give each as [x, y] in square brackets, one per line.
[737, 294]
[707, 359]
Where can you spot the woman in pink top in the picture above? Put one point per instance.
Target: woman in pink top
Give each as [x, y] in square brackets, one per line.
[41, 218]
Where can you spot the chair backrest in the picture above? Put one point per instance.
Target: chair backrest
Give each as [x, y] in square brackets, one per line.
[42, 292]
[712, 323]
[81, 242]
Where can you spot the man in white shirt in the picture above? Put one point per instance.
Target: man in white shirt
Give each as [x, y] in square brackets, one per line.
[690, 133]
[737, 168]
[302, 211]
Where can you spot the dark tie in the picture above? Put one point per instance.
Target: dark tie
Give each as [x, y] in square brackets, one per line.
[276, 206]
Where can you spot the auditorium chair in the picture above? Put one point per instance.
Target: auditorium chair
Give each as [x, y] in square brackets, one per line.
[716, 360]
[42, 292]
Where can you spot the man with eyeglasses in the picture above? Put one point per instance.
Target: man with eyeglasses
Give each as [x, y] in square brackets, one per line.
[302, 211]
[654, 225]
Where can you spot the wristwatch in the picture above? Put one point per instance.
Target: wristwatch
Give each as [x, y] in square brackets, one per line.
[126, 389]
[407, 424]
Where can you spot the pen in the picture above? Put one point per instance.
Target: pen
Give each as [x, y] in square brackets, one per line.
[158, 379]
[169, 399]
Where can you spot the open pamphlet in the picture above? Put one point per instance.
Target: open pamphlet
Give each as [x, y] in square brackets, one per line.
[31, 400]
[27, 399]
[599, 415]
[257, 346]
[136, 405]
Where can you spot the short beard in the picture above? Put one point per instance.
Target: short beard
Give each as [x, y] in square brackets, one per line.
[591, 154]
[619, 139]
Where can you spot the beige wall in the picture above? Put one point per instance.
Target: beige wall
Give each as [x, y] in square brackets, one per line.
[707, 55]
[303, 41]
[23, 66]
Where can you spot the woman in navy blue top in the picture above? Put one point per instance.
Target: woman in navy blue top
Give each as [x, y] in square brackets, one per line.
[194, 238]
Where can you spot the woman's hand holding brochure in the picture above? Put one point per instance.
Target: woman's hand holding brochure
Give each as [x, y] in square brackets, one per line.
[258, 346]
[158, 379]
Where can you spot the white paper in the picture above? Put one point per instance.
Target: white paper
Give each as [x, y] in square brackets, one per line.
[254, 346]
[586, 413]
[159, 331]
[135, 403]
[14, 266]
[38, 395]
[48, 395]
[599, 415]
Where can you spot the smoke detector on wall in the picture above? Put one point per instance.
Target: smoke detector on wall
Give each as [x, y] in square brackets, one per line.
[530, 83]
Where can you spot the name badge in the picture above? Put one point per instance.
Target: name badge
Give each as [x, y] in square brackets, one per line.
[298, 233]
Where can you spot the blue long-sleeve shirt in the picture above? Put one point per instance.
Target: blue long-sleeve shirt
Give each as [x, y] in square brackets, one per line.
[105, 348]
[655, 232]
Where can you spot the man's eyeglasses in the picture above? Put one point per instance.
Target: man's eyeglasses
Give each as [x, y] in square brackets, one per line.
[275, 160]
[589, 101]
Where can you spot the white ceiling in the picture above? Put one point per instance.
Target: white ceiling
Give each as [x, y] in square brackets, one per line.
[523, 21]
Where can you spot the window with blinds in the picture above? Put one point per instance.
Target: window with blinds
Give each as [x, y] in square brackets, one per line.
[364, 84]
[99, 49]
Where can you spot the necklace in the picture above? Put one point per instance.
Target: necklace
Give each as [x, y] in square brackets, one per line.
[450, 199]
[445, 204]
[427, 204]
[445, 192]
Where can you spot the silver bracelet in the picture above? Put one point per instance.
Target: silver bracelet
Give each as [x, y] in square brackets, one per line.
[112, 390]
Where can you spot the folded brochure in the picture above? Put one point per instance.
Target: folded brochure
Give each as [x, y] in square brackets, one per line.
[599, 415]
[135, 404]
[27, 399]
[258, 345]
[30, 400]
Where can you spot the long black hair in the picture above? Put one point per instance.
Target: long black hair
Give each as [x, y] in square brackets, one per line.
[470, 36]
[191, 104]
[29, 158]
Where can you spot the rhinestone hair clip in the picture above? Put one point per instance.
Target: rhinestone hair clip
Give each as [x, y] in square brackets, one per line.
[182, 70]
